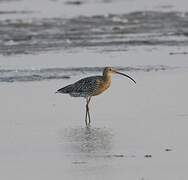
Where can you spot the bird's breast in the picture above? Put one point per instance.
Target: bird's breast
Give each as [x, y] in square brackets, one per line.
[102, 87]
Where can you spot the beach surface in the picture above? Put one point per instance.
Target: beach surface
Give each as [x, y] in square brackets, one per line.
[138, 131]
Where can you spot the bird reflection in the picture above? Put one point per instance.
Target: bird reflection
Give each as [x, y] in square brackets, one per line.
[87, 140]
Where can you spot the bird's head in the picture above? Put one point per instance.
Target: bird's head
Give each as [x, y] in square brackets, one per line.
[108, 71]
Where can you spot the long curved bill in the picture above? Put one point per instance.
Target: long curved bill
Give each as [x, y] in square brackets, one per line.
[125, 76]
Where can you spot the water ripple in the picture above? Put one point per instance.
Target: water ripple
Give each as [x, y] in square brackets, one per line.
[24, 75]
[148, 28]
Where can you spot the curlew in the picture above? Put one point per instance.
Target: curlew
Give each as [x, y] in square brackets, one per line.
[91, 86]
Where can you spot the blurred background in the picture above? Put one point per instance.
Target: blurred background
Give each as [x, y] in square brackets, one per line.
[40, 39]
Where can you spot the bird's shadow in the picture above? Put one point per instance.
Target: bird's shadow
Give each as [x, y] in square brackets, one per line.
[86, 140]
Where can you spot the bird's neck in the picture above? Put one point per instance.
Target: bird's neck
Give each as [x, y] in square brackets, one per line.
[107, 78]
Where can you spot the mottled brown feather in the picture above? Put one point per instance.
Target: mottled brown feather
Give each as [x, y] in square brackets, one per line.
[90, 86]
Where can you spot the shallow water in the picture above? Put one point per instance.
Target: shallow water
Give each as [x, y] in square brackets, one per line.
[137, 131]
[86, 141]
[45, 43]
[26, 75]
[43, 135]
[112, 32]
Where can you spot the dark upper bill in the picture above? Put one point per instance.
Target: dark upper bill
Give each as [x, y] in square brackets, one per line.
[125, 76]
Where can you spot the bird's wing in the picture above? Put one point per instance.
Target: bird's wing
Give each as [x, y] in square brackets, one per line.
[87, 85]
[84, 87]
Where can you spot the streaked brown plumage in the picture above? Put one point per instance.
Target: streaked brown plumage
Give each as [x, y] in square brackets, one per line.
[91, 86]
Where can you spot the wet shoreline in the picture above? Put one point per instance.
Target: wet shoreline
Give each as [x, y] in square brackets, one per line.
[137, 131]
[148, 28]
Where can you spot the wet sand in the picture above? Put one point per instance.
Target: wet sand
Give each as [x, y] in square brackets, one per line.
[137, 131]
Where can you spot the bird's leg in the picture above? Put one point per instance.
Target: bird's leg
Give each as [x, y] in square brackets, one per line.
[88, 110]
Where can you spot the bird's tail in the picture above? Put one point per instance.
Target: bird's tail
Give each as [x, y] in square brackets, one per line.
[66, 89]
